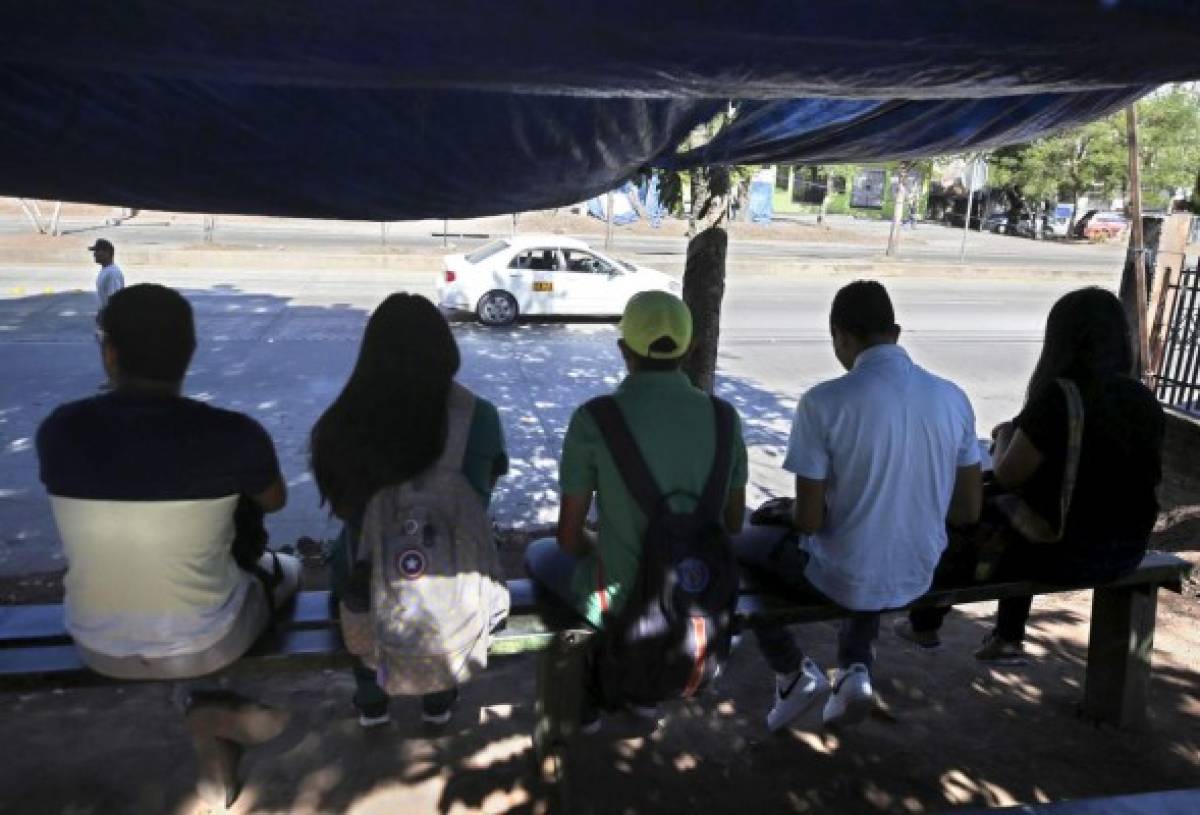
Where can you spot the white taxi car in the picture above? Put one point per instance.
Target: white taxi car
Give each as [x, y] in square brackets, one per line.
[542, 274]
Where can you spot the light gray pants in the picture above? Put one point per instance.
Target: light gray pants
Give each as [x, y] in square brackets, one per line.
[251, 622]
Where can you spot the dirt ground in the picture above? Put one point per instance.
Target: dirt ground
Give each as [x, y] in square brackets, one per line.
[948, 732]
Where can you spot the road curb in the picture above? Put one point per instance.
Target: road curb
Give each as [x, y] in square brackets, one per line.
[149, 261]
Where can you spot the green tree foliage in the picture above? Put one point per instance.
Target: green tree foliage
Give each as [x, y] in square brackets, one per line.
[1168, 139]
[1092, 160]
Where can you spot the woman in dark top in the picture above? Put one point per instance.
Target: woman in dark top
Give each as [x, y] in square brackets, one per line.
[388, 425]
[1113, 506]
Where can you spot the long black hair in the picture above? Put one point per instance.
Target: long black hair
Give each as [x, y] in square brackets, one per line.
[1087, 341]
[389, 422]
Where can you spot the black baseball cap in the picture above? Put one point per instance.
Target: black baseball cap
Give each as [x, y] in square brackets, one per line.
[101, 243]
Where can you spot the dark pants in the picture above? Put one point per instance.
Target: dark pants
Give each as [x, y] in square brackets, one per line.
[552, 571]
[772, 554]
[1053, 563]
[369, 698]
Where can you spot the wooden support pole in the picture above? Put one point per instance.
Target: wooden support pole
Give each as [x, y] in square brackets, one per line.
[1119, 647]
[561, 679]
[608, 216]
[1141, 336]
[1169, 260]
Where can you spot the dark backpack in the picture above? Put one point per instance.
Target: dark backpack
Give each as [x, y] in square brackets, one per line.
[672, 635]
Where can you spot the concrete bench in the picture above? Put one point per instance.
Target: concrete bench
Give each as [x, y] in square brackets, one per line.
[34, 643]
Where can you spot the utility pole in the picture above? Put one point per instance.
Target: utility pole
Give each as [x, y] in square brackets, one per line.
[1141, 337]
[608, 214]
[973, 171]
[901, 198]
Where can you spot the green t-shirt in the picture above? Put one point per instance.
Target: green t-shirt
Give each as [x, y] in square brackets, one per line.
[485, 459]
[675, 430]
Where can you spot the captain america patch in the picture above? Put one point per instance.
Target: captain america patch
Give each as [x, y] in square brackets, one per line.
[693, 575]
[411, 563]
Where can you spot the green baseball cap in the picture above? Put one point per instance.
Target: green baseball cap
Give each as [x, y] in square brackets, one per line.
[651, 316]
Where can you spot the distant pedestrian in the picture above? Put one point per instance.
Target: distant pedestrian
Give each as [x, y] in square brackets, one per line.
[110, 280]
[910, 220]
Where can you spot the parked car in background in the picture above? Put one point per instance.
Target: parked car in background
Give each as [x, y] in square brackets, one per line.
[1099, 225]
[1058, 223]
[1002, 224]
[994, 223]
[542, 275]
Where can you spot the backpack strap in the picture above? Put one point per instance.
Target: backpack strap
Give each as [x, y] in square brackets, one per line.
[460, 410]
[1074, 449]
[628, 458]
[712, 499]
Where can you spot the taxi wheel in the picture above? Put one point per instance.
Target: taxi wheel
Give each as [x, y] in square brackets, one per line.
[497, 308]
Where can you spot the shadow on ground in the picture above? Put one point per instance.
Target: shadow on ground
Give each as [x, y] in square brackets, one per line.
[948, 732]
[283, 364]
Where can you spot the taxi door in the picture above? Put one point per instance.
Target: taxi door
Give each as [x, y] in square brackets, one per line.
[531, 275]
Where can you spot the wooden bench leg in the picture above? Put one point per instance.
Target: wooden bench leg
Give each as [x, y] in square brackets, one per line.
[1119, 647]
[560, 689]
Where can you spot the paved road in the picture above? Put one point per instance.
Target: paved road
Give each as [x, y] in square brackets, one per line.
[283, 355]
[937, 243]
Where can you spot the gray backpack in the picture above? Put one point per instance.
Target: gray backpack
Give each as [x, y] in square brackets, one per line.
[437, 589]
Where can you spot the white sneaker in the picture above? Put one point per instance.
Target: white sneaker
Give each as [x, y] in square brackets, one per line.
[796, 694]
[852, 697]
[367, 722]
[651, 713]
[437, 719]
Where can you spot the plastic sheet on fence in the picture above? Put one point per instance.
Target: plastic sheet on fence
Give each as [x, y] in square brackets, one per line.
[761, 195]
[623, 211]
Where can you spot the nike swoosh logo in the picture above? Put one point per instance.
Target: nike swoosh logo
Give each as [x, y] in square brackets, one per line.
[791, 685]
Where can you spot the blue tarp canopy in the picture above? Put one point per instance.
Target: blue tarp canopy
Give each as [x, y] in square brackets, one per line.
[832, 131]
[449, 108]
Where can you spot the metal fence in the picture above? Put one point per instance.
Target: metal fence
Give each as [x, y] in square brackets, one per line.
[1178, 375]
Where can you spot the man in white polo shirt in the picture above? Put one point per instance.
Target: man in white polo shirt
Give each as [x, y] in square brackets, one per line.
[884, 456]
[109, 280]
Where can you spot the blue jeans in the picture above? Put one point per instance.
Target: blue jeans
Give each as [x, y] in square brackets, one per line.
[773, 554]
[552, 571]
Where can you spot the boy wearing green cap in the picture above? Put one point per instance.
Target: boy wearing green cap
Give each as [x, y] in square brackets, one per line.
[673, 425]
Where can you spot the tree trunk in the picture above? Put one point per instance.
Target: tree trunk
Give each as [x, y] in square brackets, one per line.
[703, 290]
[700, 197]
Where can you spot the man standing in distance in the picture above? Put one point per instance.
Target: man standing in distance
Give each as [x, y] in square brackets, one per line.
[110, 280]
[884, 456]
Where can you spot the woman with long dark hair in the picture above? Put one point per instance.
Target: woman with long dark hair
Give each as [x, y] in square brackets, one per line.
[388, 425]
[1077, 468]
